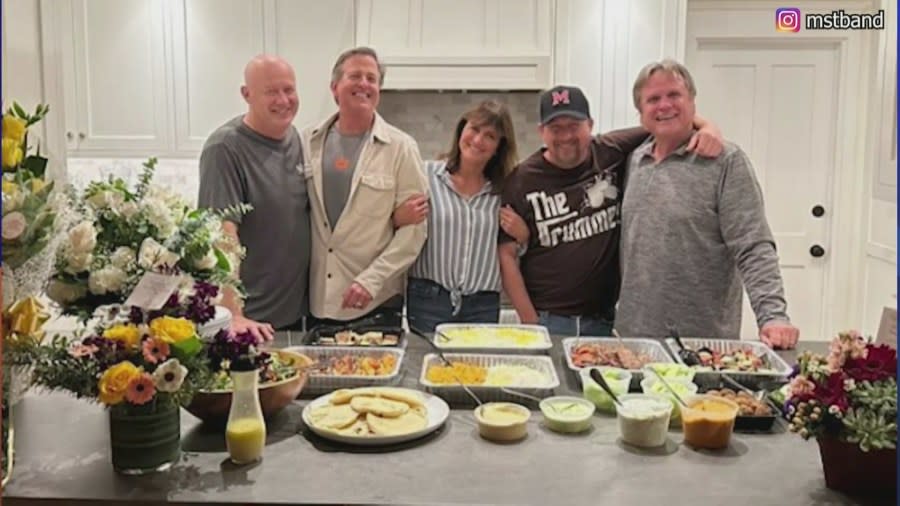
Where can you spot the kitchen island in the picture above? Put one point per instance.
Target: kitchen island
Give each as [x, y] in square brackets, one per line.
[62, 457]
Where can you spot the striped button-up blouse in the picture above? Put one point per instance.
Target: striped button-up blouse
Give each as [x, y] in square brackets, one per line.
[460, 253]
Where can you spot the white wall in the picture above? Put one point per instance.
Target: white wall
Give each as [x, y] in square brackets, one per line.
[879, 223]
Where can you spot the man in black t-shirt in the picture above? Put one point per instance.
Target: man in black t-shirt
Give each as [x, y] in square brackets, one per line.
[569, 194]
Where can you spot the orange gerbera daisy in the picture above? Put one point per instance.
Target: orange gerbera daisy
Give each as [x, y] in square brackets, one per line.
[155, 350]
[140, 390]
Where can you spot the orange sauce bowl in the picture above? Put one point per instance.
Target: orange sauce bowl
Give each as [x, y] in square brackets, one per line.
[708, 421]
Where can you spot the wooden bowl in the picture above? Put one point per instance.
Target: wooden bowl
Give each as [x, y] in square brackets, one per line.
[212, 406]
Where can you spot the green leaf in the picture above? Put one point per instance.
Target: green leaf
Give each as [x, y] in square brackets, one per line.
[222, 260]
[19, 111]
[183, 350]
[36, 164]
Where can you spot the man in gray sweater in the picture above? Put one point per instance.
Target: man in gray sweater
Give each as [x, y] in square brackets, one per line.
[693, 229]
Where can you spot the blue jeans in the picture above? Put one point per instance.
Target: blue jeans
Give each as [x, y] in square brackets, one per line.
[428, 304]
[572, 326]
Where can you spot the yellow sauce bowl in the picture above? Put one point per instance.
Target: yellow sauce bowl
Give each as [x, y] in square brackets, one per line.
[502, 421]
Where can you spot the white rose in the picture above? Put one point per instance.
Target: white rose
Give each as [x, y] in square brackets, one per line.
[65, 293]
[127, 210]
[78, 262]
[122, 257]
[83, 237]
[106, 280]
[165, 229]
[208, 261]
[153, 255]
[105, 199]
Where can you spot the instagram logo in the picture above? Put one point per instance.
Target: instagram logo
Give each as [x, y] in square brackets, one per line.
[787, 19]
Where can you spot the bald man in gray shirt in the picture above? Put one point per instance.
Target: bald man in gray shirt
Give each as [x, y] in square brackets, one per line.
[257, 159]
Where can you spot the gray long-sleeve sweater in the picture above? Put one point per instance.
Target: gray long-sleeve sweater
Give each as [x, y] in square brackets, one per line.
[692, 230]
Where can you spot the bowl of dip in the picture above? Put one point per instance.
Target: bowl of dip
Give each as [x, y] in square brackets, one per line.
[708, 421]
[567, 414]
[502, 421]
[617, 379]
[644, 419]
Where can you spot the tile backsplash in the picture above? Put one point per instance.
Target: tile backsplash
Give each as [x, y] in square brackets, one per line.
[429, 116]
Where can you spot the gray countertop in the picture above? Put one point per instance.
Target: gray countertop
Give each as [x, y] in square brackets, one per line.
[62, 454]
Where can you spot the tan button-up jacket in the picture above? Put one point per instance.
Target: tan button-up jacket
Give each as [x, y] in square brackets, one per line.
[363, 245]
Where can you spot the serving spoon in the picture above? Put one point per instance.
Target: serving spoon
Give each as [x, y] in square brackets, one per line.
[440, 354]
[688, 356]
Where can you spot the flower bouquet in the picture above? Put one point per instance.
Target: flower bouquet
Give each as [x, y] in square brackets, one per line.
[123, 233]
[143, 373]
[30, 233]
[282, 375]
[847, 400]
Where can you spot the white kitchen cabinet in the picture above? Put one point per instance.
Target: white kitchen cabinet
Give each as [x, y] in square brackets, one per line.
[114, 74]
[212, 42]
[464, 44]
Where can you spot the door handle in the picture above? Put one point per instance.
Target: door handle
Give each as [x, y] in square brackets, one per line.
[818, 211]
[817, 251]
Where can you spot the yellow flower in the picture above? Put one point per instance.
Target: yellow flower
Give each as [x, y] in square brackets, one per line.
[115, 380]
[10, 188]
[172, 330]
[12, 153]
[13, 128]
[128, 334]
[37, 184]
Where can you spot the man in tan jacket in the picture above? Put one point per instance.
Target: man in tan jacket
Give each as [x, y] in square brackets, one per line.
[360, 168]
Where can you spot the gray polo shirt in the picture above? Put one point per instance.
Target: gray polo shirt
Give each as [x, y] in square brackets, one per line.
[694, 229]
[238, 165]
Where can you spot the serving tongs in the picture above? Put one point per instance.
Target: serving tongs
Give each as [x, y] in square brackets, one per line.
[687, 355]
[758, 395]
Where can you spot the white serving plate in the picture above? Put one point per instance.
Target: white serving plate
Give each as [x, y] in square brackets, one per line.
[438, 411]
[322, 383]
[542, 346]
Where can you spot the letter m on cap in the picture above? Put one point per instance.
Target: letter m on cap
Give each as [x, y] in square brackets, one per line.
[560, 97]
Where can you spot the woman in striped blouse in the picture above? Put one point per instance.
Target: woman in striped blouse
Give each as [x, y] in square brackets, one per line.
[457, 275]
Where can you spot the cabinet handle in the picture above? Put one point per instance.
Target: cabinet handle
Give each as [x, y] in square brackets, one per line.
[81, 136]
[69, 136]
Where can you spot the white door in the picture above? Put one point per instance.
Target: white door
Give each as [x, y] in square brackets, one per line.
[777, 100]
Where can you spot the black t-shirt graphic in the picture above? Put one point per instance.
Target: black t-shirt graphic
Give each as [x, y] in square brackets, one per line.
[572, 263]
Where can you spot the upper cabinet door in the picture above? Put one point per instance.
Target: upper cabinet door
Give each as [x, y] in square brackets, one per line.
[464, 44]
[214, 40]
[119, 76]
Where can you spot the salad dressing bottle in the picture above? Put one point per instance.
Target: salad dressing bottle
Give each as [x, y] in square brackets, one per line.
[245, 433]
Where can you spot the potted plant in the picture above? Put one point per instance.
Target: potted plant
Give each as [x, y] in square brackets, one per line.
[120, 233]
[847, 401]
[143, 373]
